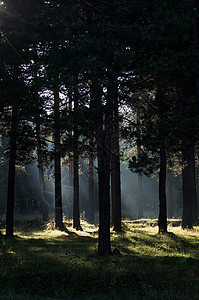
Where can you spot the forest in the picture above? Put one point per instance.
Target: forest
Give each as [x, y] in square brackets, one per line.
[99, 152]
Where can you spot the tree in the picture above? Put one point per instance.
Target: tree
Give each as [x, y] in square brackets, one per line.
[58, 191]
[139, 184]
[102, 135]
[170, 194]
[76, 212]
[90, 217]
[115, 155]
[11, 172]
[189, 214]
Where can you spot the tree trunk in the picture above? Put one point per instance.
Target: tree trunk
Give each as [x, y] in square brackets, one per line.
[197, 188]
[140, 200]
[162, 221]
[11, 173]
[104, 246]
[44, 207]
[70, 166]
[195, 46]
[70, 184]
[170, 194]
[90, 217]
[115, 157]
[102, 135]
[189, 213]
[76, 212]
[103, 149]
[58, 191]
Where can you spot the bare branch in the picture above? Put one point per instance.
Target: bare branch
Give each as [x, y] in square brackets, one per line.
[118, 4]
[97, 10]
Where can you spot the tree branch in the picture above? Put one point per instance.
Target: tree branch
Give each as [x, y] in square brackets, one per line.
[118, 4]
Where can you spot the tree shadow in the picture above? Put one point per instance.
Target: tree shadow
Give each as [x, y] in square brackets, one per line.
[68, 264]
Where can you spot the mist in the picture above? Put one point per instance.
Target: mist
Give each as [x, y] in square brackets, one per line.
[28, 192]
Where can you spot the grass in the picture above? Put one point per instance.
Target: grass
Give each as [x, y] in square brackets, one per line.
[51, 264]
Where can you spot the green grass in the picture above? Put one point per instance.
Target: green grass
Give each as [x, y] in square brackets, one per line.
[50, 264]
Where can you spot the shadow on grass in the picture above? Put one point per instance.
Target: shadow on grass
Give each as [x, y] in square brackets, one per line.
[67, 266]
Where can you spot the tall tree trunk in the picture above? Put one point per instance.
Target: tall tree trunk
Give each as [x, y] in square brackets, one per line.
[170, 194]
[11, 173]
[70, 184]
[104, 246]
[76, 212]
[58, 189]
[70, 165]
[102, 135]
[115, 157]
[189, 213]
[196, 46]
[70, 188]
[90, 217]
[162, 221]
[140, 200]
[161, 101]
[44, 207]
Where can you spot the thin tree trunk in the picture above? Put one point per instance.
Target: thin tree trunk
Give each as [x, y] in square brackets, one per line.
[170, 194]
[76, 212]
[11, 174]
[162, 221]
[44, 207]
[196, 46]
[70, 166]
[70, 184]
[189, 213]
[197, 188]
[115, 157]
[140, 200]
[90, 217]
[116, 182]
[58, 191]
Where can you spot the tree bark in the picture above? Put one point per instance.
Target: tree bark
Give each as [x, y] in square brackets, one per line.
[197, 188]
[104, 246]
[189, 212]
[140, 200]
[58, 190]
[103, 155]
[11, 173]
[170, 194]
[196, 46]
[44, 207]
[70, 184]
[115, 157]
[70, 164]
[90, 217]
[76, 212]
[162, 221]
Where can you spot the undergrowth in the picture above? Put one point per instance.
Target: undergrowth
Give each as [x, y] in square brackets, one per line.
[44, 263]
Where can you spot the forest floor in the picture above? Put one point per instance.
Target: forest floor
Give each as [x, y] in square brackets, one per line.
[44, 263]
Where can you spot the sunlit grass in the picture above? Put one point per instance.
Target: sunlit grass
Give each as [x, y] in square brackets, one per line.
[61, 264]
